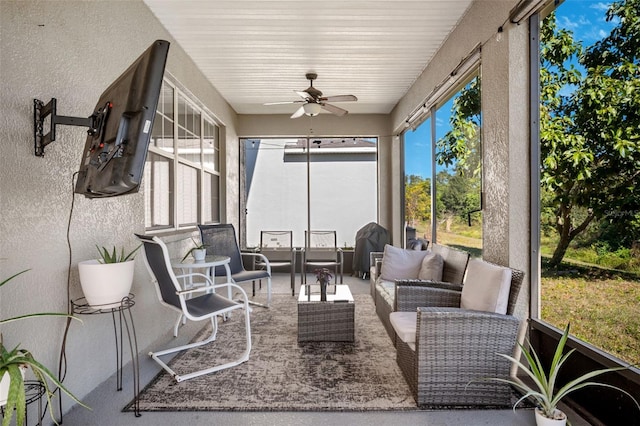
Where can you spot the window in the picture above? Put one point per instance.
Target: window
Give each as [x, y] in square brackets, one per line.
[182, 190]
[589, 208]
[442, 179]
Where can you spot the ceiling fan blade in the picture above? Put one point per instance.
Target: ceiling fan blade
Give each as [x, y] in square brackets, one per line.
[304, 95]
[340, 98]
[283, 103]
[334, 109]
[298, 113]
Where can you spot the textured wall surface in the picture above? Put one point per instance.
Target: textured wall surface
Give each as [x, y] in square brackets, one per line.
[72, 51]
[504, 73]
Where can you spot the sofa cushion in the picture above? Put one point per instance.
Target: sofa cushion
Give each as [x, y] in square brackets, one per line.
[486, 287]
[399, 264]
[405, 325]
[431, 267]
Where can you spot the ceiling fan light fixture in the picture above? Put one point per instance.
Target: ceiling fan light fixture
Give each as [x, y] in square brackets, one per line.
[312, 109]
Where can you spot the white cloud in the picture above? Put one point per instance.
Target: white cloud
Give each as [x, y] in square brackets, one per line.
[600, 6]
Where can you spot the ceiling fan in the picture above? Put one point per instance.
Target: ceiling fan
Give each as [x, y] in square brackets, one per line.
[312, 101]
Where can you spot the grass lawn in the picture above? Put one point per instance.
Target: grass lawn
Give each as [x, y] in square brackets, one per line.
[603, 307]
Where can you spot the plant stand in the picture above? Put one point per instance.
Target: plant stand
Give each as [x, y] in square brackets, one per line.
[34, 390]
[125, 321]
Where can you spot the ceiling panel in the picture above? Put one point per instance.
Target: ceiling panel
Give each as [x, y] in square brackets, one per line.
[258, 51]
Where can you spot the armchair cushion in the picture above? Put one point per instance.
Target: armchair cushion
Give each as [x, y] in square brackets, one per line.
[486, 287]
[398, 263]
[405, 325]
[431, 267]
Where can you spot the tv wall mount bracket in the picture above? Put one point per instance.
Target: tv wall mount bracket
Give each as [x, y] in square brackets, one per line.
[94, 122]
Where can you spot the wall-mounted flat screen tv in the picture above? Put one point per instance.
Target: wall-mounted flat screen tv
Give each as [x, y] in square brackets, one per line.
[114, 155]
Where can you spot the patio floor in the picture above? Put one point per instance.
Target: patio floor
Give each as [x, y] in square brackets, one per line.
[107, 403]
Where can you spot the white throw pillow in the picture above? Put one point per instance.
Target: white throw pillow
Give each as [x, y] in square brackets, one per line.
[431, 268]
[401, 264]
[486, 287]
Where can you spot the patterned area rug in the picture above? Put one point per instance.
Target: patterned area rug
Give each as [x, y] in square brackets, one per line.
[282, 375]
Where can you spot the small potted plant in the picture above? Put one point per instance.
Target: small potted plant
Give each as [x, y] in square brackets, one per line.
[107, 280]
[323, 276]
[198, 251]
[13, 364]
[543, 391]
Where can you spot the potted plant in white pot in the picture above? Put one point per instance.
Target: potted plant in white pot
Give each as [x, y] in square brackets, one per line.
[13, 364]
[106, 281]
[198, 251]
[543, 390]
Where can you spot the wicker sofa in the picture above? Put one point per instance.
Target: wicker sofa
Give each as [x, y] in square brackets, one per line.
[384, 291]
[455, 347]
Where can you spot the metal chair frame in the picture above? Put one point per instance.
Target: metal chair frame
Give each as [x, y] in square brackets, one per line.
[197, 304]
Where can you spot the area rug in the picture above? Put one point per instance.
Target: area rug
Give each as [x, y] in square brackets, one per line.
[282, 375]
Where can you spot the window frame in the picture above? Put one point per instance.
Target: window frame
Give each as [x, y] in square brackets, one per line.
[204, 170]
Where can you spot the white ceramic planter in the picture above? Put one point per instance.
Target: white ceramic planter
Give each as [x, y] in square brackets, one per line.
[560, 420]
[105, 284]
[199, 254]
[4, 386]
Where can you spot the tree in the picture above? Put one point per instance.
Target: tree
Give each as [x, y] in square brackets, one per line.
[590, 137]
[417, 200]
[460, 146]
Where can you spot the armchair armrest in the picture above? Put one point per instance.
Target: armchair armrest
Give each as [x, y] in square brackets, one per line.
[413, 294]
[374, 256]
[261, 257]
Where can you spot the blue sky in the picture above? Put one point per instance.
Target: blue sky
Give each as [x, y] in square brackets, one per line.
[585, 18]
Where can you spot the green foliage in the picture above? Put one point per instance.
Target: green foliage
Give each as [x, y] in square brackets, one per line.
[12, 361]
[460, 146]
[544, 389]
[590, 125]
[114, 257]
[417, 200]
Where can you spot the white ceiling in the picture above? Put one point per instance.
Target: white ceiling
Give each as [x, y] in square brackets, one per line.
[257, 51]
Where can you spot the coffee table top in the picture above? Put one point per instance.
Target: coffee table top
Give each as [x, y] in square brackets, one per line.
[342, 294]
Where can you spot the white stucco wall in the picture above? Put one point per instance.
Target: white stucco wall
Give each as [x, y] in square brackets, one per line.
[72, 50]
[343, 192]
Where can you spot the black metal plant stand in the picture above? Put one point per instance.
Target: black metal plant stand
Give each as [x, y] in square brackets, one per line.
[81, 307]
[34, 390]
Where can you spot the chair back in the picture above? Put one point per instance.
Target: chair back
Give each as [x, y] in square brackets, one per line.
[455, 263]
[221, 240]
[156, 257]
[276, 245]
[321, 246]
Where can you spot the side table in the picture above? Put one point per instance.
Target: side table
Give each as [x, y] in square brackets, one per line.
[125, 321]
[326, 321]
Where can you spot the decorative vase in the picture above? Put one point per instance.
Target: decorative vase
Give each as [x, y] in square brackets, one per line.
[105, 284]
[560, 418]
[323, 291]
[199, 254]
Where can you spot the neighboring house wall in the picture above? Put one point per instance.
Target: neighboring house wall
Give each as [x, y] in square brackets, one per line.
[365, 125]
[343, 191]
[72, 51]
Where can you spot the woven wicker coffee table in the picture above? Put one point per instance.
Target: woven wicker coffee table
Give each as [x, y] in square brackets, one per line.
[330, 321]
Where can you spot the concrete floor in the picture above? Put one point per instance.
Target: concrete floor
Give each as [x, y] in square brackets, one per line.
[107, 403]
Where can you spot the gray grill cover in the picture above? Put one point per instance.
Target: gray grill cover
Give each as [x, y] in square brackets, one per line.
[371, 237]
